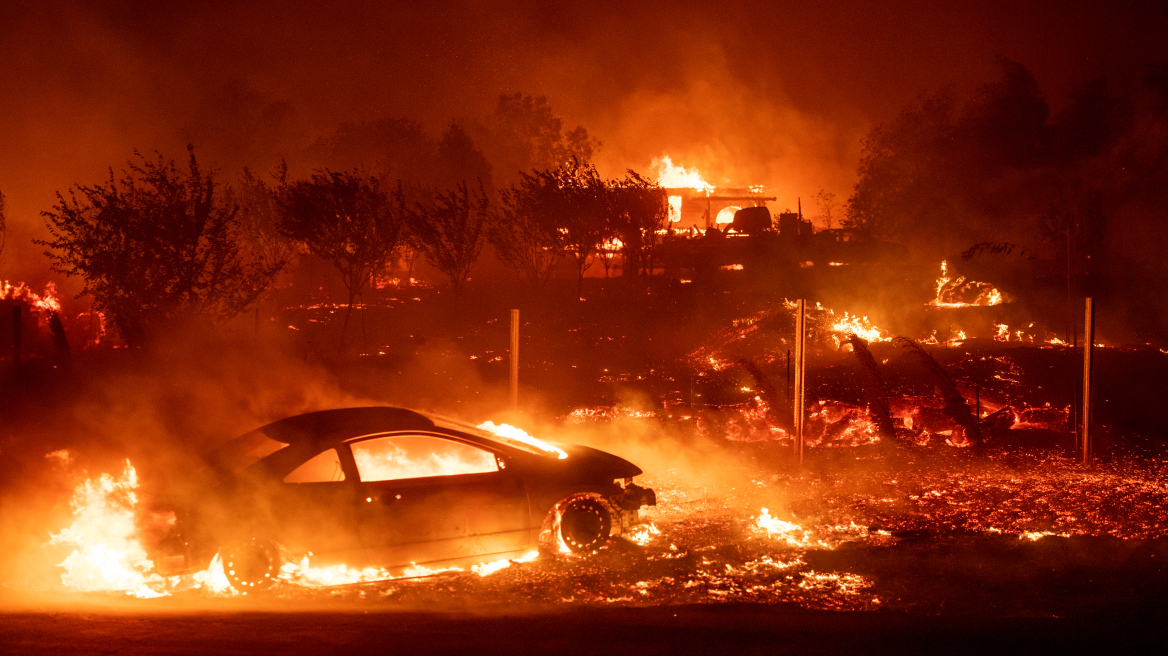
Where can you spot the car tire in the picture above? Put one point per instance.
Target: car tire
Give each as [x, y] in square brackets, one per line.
[252, 565]
[582, 523]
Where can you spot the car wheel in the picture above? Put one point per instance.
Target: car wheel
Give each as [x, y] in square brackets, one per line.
[252, 565]
[584, 524]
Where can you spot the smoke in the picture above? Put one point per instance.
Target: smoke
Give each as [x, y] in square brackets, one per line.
[773, 95]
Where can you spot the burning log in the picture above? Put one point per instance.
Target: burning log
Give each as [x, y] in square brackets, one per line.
[874, 391]
[955, 405]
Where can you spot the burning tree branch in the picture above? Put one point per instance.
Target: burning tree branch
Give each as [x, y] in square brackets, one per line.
[874, 390]
[782, 412]
[955, 405]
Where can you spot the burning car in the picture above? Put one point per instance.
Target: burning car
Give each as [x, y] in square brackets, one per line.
[390, 487]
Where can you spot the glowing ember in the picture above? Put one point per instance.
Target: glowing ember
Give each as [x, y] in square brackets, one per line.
[109, 555]
[956, 293]
[643, 534]
[859, 326]
[793, 534]
[517, 434]
[675, 208]
[671, 176]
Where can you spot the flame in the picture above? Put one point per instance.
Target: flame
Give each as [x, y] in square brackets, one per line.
[418, 457]
[517, 434]
[47, 302]
[643, 534]
[109, 555]
[857, 325]
[793, 534]
[671, 176]
[675, 208]
[952, 292]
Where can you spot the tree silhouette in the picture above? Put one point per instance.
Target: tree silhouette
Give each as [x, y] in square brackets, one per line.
[524, 229]
[259, 217]
[154, 248]
[525, 134]
[579, 198]
[451, 229]
[636, 209]
[346, 219]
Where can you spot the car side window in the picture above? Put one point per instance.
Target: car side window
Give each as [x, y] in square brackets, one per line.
[417, 456]
[324, 467]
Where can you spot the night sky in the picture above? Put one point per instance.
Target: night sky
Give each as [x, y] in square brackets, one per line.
[777, 93]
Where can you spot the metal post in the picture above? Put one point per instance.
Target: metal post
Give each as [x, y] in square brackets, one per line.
[977, 397]
[800, 371]
[1088, 350]
[16, 338]
[788, 375]
[515, 359]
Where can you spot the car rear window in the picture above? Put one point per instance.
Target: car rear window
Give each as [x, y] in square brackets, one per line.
[324, 467]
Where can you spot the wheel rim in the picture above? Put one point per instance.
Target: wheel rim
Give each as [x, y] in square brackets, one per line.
[585, 524]
[252, 566]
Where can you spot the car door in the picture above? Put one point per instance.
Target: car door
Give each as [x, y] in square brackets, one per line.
[315, 510]
[430, 497]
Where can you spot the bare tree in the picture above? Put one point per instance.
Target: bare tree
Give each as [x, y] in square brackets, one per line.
[827, 206]
[451, 230]
[346, 219]
[155, 247]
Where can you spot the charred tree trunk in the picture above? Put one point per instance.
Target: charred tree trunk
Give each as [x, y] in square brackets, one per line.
[874, 390]
[955, 404]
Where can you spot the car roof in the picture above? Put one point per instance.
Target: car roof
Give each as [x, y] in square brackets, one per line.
[329, 425]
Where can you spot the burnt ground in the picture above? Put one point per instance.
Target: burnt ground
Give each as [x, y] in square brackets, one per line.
[919, 549]
[730, 629]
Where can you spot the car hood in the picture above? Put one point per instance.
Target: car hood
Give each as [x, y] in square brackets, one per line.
[594, 462]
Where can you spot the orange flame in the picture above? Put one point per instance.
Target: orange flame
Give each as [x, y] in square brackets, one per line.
[47, 302]
[951, 292]
[109, 555]
[671, 176]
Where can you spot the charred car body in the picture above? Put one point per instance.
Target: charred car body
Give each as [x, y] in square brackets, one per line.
[390, 487]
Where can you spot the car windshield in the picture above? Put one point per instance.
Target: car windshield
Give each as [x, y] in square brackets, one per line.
[504, 433]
